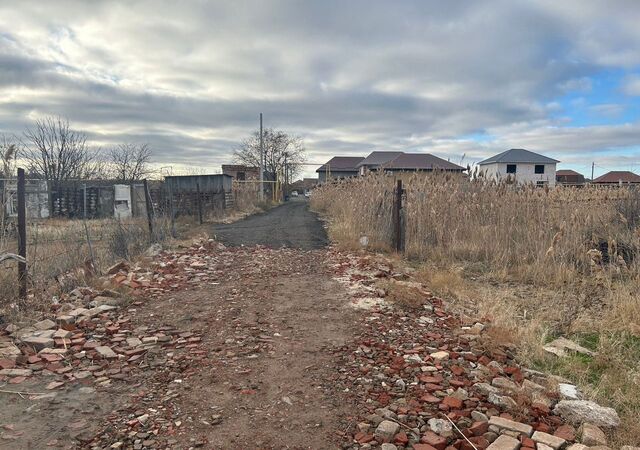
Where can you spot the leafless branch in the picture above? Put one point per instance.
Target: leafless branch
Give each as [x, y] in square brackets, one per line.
[278, 147]
[130, 162]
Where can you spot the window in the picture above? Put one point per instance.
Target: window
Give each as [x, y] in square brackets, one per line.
[511, 168]
[539, 168]
[541, 183]
[240, 176]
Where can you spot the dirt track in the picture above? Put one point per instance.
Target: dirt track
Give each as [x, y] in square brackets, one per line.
[271, 325]
[288, 225]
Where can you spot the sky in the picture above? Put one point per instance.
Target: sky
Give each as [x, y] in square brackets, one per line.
[461, 79]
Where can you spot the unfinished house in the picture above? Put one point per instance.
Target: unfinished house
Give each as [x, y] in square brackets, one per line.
[36, 198]
[241, 172]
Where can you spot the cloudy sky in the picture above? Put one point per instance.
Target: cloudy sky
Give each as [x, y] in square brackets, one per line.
[461, 79]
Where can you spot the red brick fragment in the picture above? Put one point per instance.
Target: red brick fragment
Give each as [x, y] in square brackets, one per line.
[402, 438]
[7, 363]
[434, 440]
[453, 402]
[479, 428]
[566, 432]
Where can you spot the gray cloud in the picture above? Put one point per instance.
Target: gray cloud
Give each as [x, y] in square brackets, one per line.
[349, 77]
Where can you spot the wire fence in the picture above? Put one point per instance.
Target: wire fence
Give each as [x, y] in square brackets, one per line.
[81, 246]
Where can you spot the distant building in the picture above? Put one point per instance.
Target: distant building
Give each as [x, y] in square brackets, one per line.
[304, 185]
[615, 178]
[406, 162]
[569, 178]
[339, 167]
[241, 172]
[376, 160]
[522, 166]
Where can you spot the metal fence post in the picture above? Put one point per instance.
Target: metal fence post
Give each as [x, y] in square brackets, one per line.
[149, 207]
[22, 235]
[199, 202]
[171, 212]
[397, 217]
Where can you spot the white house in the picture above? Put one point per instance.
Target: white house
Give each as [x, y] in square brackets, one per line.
[521, 165]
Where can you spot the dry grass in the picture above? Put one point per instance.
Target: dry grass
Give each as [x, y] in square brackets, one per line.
[59, 258]
[539, 263]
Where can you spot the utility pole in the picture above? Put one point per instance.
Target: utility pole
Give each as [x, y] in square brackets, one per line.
[261, 162]
[593, 164]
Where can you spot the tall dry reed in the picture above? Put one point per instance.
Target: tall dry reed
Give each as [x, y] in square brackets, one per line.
[531, 233]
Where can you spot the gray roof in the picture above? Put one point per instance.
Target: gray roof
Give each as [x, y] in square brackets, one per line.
[519, 155]
[341, 164]
[421, 161]
[376, 159]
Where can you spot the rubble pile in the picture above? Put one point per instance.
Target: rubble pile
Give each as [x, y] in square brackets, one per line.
[428, 379]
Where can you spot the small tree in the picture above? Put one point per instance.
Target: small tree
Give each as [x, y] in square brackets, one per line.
[279, 147]
[57, 153]
[130, 162]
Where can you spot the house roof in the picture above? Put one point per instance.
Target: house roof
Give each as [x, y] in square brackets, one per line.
[378, 158]
[424, 161]
[519, 155]
[341, 164]
[567, 172]
[617, 176]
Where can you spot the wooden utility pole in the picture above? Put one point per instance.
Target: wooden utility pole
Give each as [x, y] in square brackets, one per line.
[199, 200]
[593, 165]
[22, 235]
[149, 207]
[261, 162]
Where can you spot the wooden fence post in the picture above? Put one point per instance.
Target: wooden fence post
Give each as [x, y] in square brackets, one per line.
[149, 207]
[199, 201]
[22, 235]
[397, 217]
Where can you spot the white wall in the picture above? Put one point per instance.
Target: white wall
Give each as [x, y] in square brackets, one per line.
[525, 172]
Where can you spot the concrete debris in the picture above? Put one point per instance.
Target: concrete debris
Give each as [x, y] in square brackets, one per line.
[412, 369]
[563, 346]
[577, 412]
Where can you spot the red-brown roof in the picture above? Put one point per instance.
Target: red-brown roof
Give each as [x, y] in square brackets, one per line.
[616, 176]
[567, 172]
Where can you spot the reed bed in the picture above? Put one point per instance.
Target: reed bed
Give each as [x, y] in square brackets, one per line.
[524, 232]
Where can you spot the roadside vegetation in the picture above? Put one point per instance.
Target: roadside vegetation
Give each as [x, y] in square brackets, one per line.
[540, 263]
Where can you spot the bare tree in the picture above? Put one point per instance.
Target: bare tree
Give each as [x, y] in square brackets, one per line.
[130, 162]
[57, 153]
[279, 147]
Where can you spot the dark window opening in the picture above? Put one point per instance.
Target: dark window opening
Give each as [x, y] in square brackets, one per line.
[511, 168]
[539, 168]
[240, 176]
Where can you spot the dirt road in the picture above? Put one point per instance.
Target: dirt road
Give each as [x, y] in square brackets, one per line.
[267, 324]
[288, 225]
[253, 347]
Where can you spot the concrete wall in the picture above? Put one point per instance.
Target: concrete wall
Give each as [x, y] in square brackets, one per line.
[36, 198]
[525, 173]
